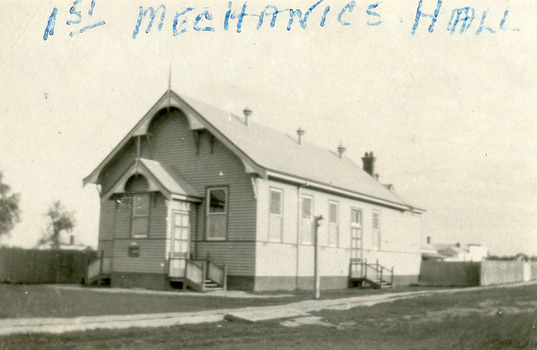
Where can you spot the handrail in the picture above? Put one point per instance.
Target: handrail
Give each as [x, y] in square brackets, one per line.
[373, 272]
[216, 273]
[196, 272]
[97, 267]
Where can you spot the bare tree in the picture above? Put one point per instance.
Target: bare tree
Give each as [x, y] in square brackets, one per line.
[9, 208]
[59, 220]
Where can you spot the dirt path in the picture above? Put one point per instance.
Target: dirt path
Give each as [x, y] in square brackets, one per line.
[251, 314]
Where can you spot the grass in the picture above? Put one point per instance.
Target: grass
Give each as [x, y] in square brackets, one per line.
[33, 300]
[483, 319]
[20, 301]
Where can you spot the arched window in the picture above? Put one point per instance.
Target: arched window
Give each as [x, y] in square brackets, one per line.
[136, 183]
[137, 187]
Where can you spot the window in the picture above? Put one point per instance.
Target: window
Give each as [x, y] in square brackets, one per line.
[276, 215]
[356, 217]
[356, 234]
[217, 213]
[140, 215]
[333, 222]
[307, 219]
[376, 230]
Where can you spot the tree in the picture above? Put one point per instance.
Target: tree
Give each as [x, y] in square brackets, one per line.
[9, 208]
[59, 220]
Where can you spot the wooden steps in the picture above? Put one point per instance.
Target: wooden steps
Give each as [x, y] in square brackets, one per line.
[210, 285]
[364, 275]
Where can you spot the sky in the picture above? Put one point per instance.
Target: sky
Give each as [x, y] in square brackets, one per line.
[451, 117]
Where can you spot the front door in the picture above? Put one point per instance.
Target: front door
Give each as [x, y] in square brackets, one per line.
[356, 243]
[180, 247]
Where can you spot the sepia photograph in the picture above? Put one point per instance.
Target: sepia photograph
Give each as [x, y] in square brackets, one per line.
[269, 174]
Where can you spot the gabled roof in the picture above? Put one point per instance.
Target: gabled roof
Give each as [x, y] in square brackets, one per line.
[428, 248]
[161, 178]
[270, 153]
[170, 179]
[432, 256]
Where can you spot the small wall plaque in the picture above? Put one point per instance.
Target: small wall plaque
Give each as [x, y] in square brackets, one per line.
[134, 251]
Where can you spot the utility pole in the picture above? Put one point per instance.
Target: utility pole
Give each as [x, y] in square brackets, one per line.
[317, 277]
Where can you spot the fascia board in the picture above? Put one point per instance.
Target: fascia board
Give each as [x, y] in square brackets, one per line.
[171, 99]
[328, 188]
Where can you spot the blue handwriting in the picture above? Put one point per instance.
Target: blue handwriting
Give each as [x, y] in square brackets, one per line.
[463, 16]
[461, 20]
[77, 19]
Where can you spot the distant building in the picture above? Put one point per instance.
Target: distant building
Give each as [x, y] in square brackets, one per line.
[456, 252]
[429, 251]
[68, 241]
[477, 252]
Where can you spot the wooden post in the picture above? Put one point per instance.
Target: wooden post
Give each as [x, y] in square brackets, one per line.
[225, 278]
[203, 275]
[101, 263]
[317, 277]
[186, 271]
[380, 280]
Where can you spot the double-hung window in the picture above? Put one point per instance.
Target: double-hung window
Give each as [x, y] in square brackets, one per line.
[376, 230]
[356, 233]
[140, 215]
[307, 219]
[276, 215]
[217, 208]
[333, 223]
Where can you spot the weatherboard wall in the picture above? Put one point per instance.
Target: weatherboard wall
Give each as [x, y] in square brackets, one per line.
[210, 164]
[152, 252]
[288, 263]
[203, 163]
[107, 220]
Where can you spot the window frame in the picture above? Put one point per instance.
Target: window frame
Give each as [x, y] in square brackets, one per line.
[208, 214]
[311, 219]
[333, 224]
[133, 196]
[375, 241]
[280, 216]
[361, 223]
[359, 226]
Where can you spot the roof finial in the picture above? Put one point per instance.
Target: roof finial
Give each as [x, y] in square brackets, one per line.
[169, 87]
[170, 77]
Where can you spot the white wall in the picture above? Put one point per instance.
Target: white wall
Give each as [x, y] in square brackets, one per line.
[399, 231]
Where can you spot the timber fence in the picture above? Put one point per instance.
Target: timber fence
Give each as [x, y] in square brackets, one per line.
[43, 266]
[484, 273]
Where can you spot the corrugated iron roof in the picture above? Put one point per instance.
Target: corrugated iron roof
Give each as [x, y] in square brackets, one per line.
[282, 153]
[169, 178]
[270, 152]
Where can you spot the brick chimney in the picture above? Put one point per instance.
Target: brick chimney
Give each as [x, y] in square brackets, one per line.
[368, 161]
